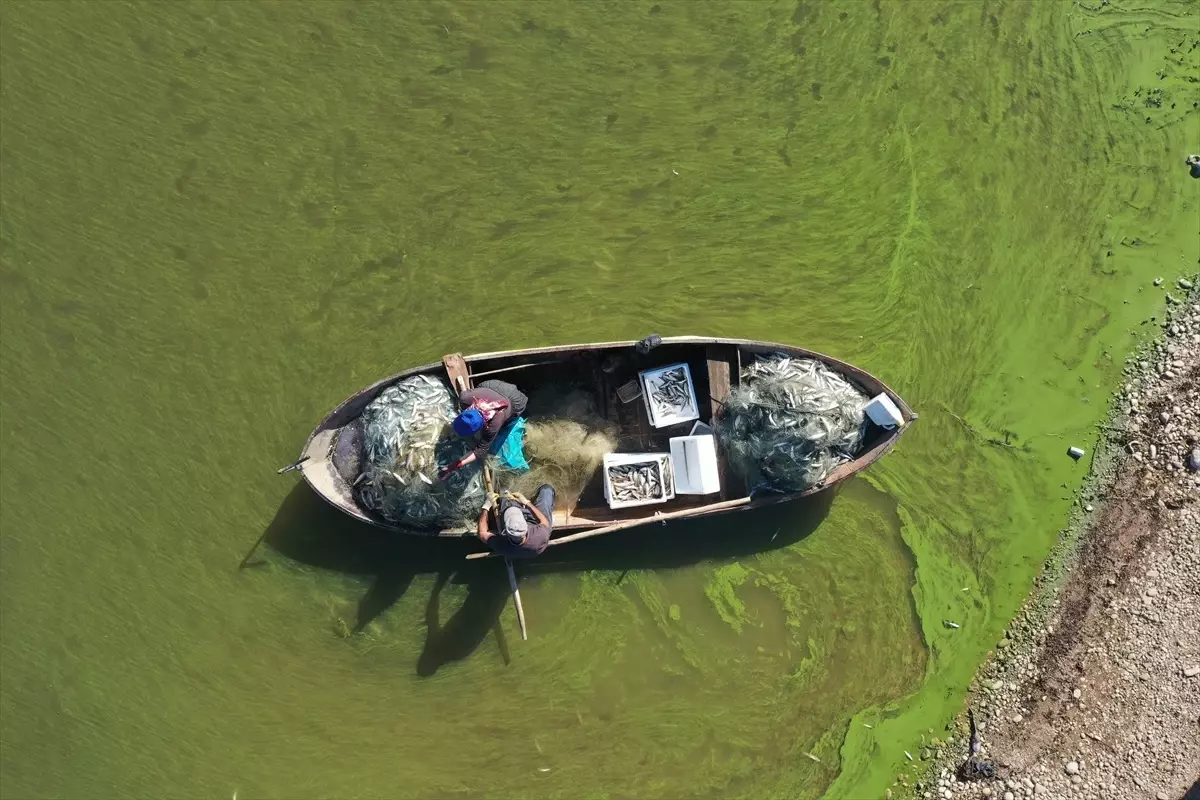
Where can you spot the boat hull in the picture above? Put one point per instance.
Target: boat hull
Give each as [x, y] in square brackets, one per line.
[320, 455]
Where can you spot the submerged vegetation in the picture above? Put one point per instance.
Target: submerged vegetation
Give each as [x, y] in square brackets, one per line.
[218, 219]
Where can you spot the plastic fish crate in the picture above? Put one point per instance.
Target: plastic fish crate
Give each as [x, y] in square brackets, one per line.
[650, 380]
[665, 474]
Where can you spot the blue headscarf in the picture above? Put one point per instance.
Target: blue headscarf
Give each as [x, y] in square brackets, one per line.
[469, 422]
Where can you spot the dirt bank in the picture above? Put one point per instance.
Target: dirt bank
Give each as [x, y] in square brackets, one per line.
[1094, 692]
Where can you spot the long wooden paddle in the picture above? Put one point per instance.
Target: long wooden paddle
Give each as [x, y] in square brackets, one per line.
[574, 537]
[456, 369]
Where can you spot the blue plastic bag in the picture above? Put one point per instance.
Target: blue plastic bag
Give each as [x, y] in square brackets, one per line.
[509, 446]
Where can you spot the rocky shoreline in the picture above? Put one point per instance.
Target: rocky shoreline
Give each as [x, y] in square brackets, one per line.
[1094, 691]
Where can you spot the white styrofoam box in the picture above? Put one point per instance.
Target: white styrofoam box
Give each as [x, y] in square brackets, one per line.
[694, 459]
[663, 460]
[649, 379]
[883, 412]
[700, 428]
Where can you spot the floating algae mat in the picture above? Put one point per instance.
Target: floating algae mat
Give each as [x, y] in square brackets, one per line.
[217, 219]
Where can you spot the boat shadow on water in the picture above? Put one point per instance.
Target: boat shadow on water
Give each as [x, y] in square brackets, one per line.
[308, 530]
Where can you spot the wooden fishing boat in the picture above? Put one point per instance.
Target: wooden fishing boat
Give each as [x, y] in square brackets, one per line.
[330, 459]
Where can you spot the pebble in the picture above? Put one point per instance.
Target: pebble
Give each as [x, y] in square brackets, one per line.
[1072, 766]
[1078, 693]
[1018, 717]
[1009, 796]
[1161, 796]
[1193, 460]
[1191, 672]
[1151, 592]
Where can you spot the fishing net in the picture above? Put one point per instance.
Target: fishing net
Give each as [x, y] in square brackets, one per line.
[790, 422]
[406, 439]
[565, 444]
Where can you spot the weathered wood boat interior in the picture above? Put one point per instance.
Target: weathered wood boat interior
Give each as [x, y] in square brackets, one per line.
[601, 372]
[332, 454]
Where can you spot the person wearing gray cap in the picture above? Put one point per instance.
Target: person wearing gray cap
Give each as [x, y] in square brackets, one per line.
[524, 526]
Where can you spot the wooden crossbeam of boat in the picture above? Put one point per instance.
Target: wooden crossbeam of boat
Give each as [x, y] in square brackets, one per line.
[456, 370]
[719, 387]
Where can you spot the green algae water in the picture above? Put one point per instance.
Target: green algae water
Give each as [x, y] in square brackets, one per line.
[218, 220]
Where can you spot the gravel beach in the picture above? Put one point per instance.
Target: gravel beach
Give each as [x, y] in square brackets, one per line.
[1094, 692]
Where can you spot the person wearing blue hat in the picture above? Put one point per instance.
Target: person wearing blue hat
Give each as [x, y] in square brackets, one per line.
[487, 409]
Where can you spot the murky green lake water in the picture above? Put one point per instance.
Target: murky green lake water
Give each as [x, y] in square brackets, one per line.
[218, 219]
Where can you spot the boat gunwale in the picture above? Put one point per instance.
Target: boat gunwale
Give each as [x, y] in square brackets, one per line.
[847, 470]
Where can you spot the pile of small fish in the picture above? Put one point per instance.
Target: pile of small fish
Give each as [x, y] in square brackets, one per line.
[790, 422]
[631, 483]
[406, 440]
[670, 392]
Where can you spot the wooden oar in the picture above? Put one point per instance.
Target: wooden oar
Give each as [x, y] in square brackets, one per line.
[574, 537]
[512, 368]
[512, 581]
[512, 574]
[456, 368]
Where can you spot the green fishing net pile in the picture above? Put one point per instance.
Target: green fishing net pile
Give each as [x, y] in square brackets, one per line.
[790, 422]
[406, 440]
[566, 440]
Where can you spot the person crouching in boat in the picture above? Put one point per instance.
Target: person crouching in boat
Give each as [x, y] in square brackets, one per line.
[487, 409]
[524, 526]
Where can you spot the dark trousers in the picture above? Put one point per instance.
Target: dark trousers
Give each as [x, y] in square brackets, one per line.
[544, 500]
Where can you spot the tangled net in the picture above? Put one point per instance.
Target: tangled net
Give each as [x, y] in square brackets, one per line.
[565, 444]
[790, 422]
[406, 440]
[562, 453]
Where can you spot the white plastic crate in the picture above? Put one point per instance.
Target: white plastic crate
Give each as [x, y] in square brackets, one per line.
[665, 472]
[661, 417]
[694, 464]
[883, 412]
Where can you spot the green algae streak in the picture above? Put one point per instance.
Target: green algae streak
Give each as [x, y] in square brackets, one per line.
[217, 220]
